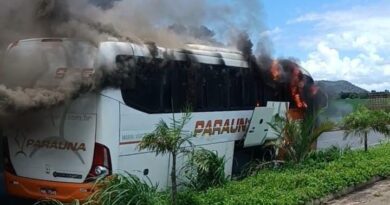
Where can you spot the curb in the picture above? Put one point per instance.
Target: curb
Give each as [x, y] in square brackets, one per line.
[345, 191]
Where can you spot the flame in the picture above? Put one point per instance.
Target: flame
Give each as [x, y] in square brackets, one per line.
[296, 88]
[275, 70]
[296, 80]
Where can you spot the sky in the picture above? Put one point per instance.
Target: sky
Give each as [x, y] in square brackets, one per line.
[333, 39]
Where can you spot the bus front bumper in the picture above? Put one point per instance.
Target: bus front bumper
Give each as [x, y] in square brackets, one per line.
[41, 189]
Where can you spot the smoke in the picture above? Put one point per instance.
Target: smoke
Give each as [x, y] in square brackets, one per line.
[169, 23]
[201, 34]
[44, 93]
[244, 44]
[284, 76]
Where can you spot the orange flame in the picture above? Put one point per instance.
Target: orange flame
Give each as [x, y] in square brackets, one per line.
[275, 70]
[296, 86]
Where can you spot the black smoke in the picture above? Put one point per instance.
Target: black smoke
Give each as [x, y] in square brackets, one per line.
[201, 33]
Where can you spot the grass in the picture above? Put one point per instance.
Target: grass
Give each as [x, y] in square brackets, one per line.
[296, 184]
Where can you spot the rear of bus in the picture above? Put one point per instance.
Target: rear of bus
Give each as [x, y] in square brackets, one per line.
[52, 153]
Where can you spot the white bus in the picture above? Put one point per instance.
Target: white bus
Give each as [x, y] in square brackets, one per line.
[58, 152]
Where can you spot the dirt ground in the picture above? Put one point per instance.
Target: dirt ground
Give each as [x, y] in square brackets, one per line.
[378, 194]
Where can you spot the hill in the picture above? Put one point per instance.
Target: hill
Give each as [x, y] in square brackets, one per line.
[334, 88]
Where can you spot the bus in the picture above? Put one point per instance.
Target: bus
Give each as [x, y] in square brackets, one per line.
[59, 151]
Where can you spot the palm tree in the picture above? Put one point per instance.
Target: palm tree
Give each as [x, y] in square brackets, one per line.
[298, 136]
[169, 139]
[362, 121]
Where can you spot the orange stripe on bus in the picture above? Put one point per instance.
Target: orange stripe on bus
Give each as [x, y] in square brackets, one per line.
[32, 189]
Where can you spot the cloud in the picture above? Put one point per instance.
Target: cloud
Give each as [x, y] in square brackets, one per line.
[327, 63]
[305, 18]
[271, 33]
[386, 70]
[351, 44]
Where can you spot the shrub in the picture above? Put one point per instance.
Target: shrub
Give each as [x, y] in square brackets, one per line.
[327, 155]
[126, 189]
[299, 136]
[205, 169]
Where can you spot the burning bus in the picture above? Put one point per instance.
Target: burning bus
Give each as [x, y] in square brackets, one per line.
[59, 151]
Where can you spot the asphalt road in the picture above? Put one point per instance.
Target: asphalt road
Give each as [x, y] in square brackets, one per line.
[327, 140]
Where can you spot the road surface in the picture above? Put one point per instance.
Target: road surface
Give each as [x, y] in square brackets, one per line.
[378, 194]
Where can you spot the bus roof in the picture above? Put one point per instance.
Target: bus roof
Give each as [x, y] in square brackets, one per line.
[198, 53]
[49, 39]
[191, 52]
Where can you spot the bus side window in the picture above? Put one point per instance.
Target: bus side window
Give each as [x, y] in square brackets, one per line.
[223, 86]
[167, 81]
[211, 87]
[216, 87]
[201, 89]
[191, 94]
[249, 89]
[235, 88]
[143, 92]
[179, 85]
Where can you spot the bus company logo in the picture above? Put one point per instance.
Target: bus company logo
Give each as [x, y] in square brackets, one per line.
[56, 144]
[219, 127]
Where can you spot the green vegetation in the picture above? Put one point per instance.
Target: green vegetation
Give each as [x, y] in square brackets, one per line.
[299, 136]
[318, 175]
[362, 121]
[205, 169]
[353, 95]
[125, 189]
[169, 139]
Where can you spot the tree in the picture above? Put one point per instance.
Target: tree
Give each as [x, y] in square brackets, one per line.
[298, 136]
[169, 139]
[362, 121]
